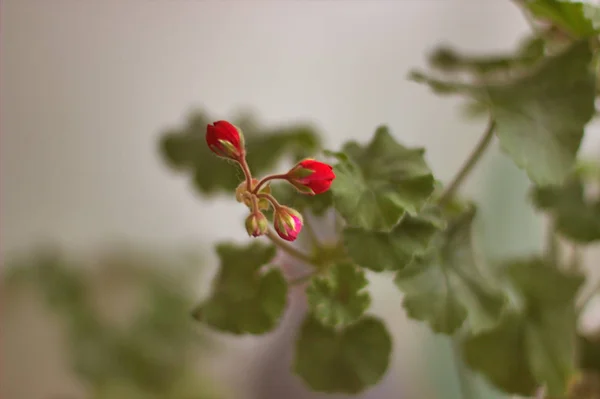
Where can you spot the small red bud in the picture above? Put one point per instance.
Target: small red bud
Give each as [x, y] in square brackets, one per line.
[311, 177]
[225, 140]
[287, 222]
[257, 224]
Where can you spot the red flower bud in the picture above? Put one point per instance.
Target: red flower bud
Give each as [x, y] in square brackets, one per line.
[257, 224]
[287, 222]
[311, 177]
[225, 140]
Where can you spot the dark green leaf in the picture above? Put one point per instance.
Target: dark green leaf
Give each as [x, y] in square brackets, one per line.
[380, 251]
[380, 182]
[534, 345]
[348, 360]
[577, 17]
[338, 298]
[244, 298]
[445, 287]
[540, 117]
[575, 217]
[185, 150]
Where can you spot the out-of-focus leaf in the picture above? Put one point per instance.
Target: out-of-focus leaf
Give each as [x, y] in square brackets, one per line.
[185, 150]
[379, 182]
[347, 360]
[245, 300]
[338, 298]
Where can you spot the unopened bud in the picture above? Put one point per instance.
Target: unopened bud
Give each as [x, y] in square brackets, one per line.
[287, 222]
[257, 224]
[225, 140]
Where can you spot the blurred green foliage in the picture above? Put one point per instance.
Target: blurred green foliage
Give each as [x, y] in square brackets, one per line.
[154, 355]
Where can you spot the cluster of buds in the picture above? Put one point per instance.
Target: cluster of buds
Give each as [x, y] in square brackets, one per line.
[309, 177]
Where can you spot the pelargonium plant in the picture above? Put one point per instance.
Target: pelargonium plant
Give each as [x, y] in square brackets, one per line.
[515, 321]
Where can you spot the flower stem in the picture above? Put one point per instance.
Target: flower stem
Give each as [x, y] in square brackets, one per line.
[265, 180]
[466, 391]
[288, 248]
[269, 198]
[302, 279]
[247, 174]
[470, 163]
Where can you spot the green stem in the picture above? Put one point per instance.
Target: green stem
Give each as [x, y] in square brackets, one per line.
[290, 250]
[466, 391]
[265, 180]
[469, 164]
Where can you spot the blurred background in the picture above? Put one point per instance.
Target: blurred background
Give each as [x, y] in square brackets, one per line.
[89, 210]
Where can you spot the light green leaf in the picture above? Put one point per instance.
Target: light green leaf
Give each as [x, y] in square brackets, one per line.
[541, 333]
[380, 182]
[185, 150]
[338, 298]
[445, 287]
[577, 17]
[380, 251]
[245, 299]
[575, 217]
[347, 360]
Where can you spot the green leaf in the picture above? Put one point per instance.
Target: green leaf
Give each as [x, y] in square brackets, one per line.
[380, 182]
[447, 59]
[244, 298]
[445, 287]
[541, 116]
[578, 18]
[380, 251]
[347, 360]
[534, 344]
[575, 217]
[338, 298]
[185, 150]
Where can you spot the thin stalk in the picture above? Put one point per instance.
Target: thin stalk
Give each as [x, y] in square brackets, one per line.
[302, 279]
[290, 250]
[270, 198]
[470, 163]
[466, 391]
[264, 180]
[247, 174]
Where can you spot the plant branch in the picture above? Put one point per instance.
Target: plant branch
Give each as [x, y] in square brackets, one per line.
[269, 198]
[290, 250]
[266, 179]
[463, 379]
[470, 163]
[247, 174]
[302, 279]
